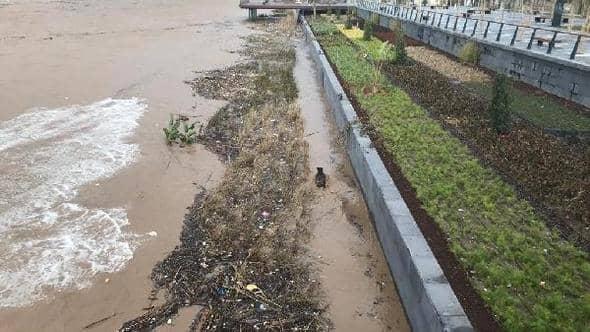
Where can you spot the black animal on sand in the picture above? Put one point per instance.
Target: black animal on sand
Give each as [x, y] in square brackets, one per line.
[320, 178]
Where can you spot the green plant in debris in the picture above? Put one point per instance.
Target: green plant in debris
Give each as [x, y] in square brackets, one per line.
[531, 278]
[500, 108]
[189, 135]
[470, 53]
[180, 131]
[172, 132]
[368, 29]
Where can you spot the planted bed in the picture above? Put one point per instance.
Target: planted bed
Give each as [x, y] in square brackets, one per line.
[528, 273]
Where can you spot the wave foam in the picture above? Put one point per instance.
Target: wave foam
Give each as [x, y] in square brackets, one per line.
[47, 242]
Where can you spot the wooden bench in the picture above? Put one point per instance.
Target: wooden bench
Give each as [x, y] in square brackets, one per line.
[540, 19]
[541, 40]
[479, 11]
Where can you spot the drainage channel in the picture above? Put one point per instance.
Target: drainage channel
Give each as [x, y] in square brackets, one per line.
[351, 266]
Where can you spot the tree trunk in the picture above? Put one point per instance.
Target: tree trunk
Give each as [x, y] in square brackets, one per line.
[557, 13]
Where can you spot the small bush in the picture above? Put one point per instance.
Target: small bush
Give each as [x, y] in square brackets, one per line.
[500, 109]
[348, 24]
[383, 55]
[470, 53]
[400, 44]
[368, 30]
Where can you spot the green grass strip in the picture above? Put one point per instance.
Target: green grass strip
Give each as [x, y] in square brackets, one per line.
[532, 280]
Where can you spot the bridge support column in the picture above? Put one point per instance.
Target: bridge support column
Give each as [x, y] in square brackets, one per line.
[252, 14]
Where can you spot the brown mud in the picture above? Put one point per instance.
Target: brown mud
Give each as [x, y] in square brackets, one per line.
[266, 249]
[344, 247]
[59, 53]
[241, 246]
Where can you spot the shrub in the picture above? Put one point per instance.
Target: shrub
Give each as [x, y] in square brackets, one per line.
[400, 44]
[383, 56]
[368, 30]
[500, 109]
[470, 53]
[348, 24]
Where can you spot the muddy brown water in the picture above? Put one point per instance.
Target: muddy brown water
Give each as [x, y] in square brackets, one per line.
[350, 263]
[57, 54]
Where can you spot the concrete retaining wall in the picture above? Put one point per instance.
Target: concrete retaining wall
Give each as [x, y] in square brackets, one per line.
[429, 301]
[562, 78]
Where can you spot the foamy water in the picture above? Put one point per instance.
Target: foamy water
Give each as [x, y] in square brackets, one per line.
[48, 242]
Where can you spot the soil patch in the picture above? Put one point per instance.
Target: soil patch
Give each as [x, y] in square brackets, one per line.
[536, 105]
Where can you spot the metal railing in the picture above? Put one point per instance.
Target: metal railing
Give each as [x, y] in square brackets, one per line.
[513, 35]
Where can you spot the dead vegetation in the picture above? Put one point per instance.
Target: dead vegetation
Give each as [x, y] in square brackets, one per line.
[241, 245]
[265, 77]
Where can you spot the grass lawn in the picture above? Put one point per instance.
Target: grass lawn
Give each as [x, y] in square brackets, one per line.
[530, 277]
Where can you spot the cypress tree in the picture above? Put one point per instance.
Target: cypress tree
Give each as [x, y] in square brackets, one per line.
[368, 30]
[500, 108]
[400, 44]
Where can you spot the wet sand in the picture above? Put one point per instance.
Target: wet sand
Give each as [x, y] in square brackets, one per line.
[352, 269]
[55, 54]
